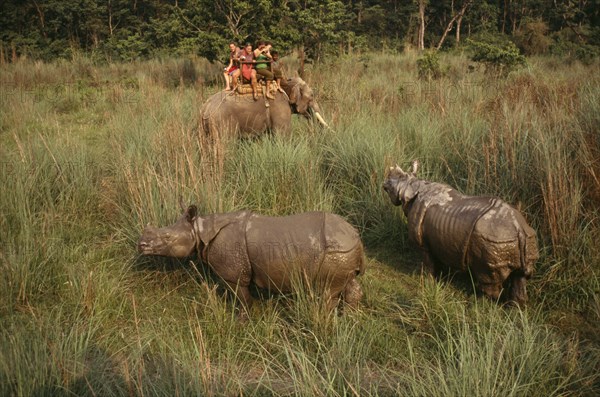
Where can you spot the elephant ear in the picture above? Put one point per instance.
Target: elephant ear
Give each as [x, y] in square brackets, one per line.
[299, 99]
[295, 94]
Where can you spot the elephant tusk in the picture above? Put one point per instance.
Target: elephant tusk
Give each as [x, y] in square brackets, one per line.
[321, 120]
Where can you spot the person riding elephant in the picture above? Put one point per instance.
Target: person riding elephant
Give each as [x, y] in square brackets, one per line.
[262, 56]
[277, 68]
[247, 70]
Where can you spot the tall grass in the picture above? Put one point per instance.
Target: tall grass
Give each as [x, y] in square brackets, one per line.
[486, 351]
[92, 153]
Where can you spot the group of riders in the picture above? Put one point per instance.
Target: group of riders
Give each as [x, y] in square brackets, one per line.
[249, 64]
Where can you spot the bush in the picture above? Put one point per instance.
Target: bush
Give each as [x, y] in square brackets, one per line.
[532, 37]
[429, 66]
[498, 59]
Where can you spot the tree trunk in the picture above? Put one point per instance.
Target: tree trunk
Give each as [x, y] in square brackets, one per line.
[42, 22]
[514, 19]
[422, 25]
[110, 25]
[458, 24]
[460, 14]
[504, 15]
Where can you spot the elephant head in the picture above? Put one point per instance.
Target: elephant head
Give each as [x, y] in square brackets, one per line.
[302, 99]
[398, 184]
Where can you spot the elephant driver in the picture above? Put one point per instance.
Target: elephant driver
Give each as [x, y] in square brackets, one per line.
[261, 55]
[277, 68]
[247, 69]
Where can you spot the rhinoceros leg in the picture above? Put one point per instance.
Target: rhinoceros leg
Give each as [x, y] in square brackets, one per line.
[353, 293]
[518, 291]
[429, 265]
[333, 301]
[242, 293]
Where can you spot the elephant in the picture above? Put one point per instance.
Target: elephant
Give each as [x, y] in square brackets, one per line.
[228, 111]
[245, 248]
[482, 235]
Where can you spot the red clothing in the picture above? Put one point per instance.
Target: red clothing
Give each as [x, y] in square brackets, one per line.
[247, 67]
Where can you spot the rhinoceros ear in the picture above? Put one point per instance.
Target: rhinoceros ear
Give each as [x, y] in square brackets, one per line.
[408, 193]
[191, 213]
[415, 166]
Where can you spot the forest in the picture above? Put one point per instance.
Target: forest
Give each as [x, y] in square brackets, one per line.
[122, 30]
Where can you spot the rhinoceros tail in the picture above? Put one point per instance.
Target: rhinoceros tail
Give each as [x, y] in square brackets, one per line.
[528, 251]
[360, 260]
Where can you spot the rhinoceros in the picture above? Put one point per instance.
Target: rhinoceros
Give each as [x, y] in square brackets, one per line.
[244, 248]
[482, 235]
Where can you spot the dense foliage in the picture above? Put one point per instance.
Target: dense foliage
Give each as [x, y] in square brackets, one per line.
[127, 30]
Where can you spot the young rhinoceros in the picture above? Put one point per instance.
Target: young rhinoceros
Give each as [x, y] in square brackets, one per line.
[244, 248]
[483, 235]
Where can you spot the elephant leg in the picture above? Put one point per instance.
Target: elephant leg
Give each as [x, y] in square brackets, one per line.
[353, 293]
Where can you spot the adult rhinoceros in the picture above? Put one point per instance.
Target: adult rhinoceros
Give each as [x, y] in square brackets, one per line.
[229, 112]
[483, 235]
[243, 248]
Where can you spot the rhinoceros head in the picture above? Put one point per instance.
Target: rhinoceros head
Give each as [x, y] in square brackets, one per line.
[176, 241]
[398, 184]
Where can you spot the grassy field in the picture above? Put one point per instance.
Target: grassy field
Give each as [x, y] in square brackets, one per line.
[91, 153]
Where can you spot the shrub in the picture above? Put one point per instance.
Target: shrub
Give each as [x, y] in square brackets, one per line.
[429, 66]
[532, 37]
[498, 59]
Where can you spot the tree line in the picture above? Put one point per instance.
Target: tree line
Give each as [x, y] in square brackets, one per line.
[124, 30]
